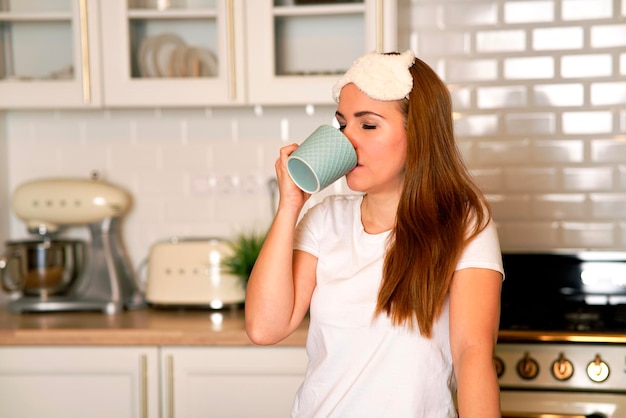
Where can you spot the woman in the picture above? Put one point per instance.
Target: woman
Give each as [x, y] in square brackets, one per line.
[402, 282]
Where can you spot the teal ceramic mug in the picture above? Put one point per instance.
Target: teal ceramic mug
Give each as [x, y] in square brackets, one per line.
[321, 159]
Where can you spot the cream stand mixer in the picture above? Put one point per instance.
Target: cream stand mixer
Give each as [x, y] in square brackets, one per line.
[106, 282]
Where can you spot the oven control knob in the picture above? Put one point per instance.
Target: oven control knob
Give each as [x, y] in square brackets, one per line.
[499, 365]
[598, 370]
[527, 367]
[562, 368]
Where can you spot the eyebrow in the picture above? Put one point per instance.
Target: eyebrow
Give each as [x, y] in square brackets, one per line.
[360, 114]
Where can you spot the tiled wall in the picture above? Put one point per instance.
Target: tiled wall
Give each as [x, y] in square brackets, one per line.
[539, 88]
[540, 93]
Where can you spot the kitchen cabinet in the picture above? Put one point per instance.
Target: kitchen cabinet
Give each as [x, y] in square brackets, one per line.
[306, 45]
[149, 381]
[49, 54]
[230, 382]
[262, 51]
[79, 382]
[174, 53]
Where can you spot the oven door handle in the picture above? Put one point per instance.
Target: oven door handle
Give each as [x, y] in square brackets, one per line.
[540, 415]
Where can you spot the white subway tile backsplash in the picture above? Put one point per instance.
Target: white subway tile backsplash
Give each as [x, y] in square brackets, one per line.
[622, 64]
[608, 150]
[589, 122]
[546, 39]
[132, 157]
[510, 207]
[471, 70]
[603, 36]
[588, 65]
[502, 152]
[235, 156]
[207, 129]
[451, 43]
[588, 235]
[461, 97]
[152, 130]
[532, 11]
[621, 177]
[559, 206]
[586, 9]
[561, 95]
[530, 123]
[491, 180]
[474, 14]
[80, 160]
[167, 185]
[608, 94]
[188, 210]
[105, 129]
[426, 16]
[528, 68]
[531, 179]
[500, 41]
[500, 97]
[188, 157]
[608, 205]
[529, 235]
[588, 178]
[148, 210]
[555, 151]
[476, 125]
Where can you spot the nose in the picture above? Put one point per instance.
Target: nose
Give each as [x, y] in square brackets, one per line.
[351, 138]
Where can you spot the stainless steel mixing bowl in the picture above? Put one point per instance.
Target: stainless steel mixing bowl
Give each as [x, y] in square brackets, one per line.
[42, 268]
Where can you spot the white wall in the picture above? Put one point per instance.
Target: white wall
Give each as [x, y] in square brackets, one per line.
[539, 89]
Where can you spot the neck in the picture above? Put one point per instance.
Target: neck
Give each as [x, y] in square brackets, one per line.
[378, 214]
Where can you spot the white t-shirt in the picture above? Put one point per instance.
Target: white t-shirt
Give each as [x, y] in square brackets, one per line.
[360, 367]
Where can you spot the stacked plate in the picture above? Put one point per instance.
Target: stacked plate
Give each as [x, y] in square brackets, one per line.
[167, 55]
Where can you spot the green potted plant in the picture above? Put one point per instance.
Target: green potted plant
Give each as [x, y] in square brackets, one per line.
[245, 250]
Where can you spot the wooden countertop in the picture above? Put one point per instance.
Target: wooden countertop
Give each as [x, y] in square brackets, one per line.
[139, 327]
[187, 328]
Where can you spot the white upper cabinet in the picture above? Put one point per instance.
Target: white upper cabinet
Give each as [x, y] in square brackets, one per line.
[173, 52]
[49, 56]
[297, 49]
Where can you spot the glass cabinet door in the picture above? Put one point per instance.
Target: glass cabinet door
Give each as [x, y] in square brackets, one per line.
[48, 53]
[172, 52]
[310, 43]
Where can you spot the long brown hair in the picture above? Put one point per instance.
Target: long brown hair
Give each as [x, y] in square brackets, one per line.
[441, 209]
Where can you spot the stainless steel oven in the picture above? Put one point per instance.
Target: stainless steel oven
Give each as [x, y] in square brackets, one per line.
[561, 350]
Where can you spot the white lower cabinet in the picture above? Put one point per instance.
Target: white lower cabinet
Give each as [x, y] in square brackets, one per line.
[230, 382]
[149, 382]
[79, 382]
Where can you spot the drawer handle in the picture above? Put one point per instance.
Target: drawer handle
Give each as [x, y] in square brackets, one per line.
[170, 387]
[84, 46]
[144, 386]
[380, 19]
[231, 50]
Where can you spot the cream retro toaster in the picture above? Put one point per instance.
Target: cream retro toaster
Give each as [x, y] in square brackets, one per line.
[190, 272]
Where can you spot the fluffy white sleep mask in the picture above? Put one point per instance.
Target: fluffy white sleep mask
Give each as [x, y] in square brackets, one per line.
[380, 76]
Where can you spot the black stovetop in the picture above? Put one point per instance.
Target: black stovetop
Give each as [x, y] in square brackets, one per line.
[547, 292]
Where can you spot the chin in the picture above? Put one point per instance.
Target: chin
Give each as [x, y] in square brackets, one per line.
[354, 185]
